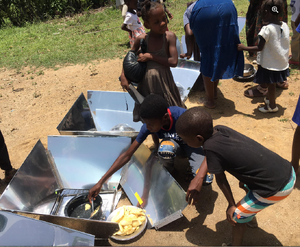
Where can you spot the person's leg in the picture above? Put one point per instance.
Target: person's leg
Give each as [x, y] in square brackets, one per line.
[295, 150]
[124, 11]
[5, 161]
[238, 232]
[272, 95]
[294, 45]
[4, 157]
[210, 92]
[216, 89]
[270, 100]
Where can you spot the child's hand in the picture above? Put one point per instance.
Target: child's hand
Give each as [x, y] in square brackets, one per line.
[241, 47]
[193, 192]
[94, 191]
[183, 55]
[144, 57]
[124, 82]
[170, 15]
[229, 213]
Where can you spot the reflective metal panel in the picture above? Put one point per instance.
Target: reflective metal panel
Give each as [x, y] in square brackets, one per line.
[184, 79]
[82, 160]
[113, 108]
[34, 184]
[188, 64]
[146, 181]
[109, 119]
[17, 230]
[241, 23]
[78, 118]
[117, 101]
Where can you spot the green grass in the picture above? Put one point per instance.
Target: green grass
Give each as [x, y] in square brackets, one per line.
[79, 39]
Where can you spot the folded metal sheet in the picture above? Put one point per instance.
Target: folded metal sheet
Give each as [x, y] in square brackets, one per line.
[184, 79]
[33, 187]
[78, 120]
[76, 162]
[82, 160]
[110, 109]
[145, 181]
[17, 230]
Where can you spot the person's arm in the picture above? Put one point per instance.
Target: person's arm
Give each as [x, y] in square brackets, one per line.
[119, 163]
[193, 192]
[168, 12]
[189, 40]
[255, 48]
[156, 141]
[170, 61]
[124, 28]
[225, 187]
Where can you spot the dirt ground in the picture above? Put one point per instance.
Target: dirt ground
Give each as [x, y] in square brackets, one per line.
[33, 103]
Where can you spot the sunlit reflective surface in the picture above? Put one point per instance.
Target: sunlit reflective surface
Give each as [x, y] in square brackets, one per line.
[17, 230]
[146, 181]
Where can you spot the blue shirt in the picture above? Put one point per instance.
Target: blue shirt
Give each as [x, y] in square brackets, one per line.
[174, 113]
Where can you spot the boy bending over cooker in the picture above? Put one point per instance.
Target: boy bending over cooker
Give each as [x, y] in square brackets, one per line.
[265, 176]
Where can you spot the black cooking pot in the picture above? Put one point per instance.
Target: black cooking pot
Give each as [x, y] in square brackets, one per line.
[75, 208]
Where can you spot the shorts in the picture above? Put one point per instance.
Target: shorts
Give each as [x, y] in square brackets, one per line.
[253, 203]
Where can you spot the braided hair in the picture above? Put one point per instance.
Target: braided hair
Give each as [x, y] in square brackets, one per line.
[147, 6]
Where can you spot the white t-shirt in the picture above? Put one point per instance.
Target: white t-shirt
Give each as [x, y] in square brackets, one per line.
[295, 7]
[275, 54]
[132, 21]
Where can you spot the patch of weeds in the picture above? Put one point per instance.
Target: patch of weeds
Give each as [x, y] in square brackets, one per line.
[31, 77]
[41, 72]
[2, 87]
[0, 95]
[220, 83]
[56, 69]
[246, 115]
[291, 93]
[283, 120]
[34, 83]
[22, 75]
[29, 72]
[93, 70]
[36, 94]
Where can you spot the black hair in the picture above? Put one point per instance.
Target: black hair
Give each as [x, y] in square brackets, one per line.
[195, 121]
[154, 106]
[275, 7]
[147, 6]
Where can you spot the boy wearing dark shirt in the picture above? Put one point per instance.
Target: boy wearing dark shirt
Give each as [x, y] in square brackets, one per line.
[159, 121]
[268, 178]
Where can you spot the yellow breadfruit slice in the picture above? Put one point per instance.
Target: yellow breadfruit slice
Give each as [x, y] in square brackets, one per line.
[87, 206]
[119, 215]
[125, 222]
[136, 223]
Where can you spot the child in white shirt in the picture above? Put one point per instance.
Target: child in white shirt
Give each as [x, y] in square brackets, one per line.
[273, 56]
[132, 23]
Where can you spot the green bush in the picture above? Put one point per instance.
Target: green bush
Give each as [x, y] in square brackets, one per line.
[18, 12]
